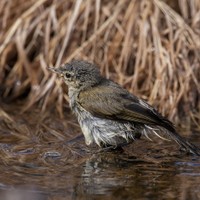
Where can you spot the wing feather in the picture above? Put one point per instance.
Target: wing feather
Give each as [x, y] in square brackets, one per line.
[113, 102]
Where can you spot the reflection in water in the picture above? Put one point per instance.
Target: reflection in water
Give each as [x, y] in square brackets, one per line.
[36, 162]
[122, 179]
[21, 194]
[105, 175]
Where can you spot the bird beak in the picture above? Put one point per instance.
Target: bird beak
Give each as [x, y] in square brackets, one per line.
[56, 70]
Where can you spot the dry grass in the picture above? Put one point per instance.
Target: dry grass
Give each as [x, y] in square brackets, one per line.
[150, 47]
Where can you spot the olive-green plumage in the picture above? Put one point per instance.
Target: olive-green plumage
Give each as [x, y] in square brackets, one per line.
[107, 113]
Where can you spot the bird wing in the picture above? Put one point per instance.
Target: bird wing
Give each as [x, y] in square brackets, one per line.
[113, 102]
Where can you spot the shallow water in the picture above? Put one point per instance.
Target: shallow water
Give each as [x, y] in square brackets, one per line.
[40, 159]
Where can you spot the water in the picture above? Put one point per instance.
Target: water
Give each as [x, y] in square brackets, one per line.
[38, 162]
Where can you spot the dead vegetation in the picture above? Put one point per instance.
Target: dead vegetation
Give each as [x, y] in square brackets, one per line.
[151, 47]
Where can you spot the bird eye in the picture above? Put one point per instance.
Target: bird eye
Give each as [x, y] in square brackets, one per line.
[67, 75]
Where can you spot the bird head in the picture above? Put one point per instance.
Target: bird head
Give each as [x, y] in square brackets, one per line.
[78, 74]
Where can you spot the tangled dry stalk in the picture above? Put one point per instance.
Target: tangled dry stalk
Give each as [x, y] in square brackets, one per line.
[151, 47]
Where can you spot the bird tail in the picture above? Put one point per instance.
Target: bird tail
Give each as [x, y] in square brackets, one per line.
[185, 144]
[162, 132]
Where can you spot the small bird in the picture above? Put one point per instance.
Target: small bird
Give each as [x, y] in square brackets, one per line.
[108, 114]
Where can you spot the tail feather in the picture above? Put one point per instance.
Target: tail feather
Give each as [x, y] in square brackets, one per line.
[185, 144]
[163, 132]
